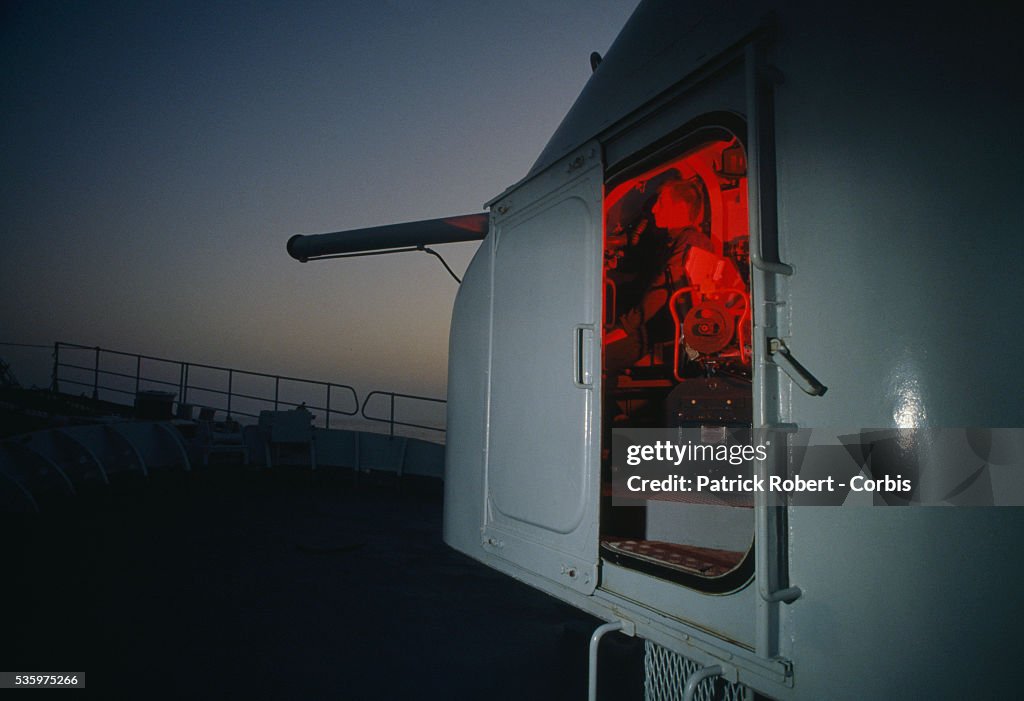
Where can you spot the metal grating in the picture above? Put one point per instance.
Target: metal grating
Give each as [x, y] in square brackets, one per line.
[666, 672]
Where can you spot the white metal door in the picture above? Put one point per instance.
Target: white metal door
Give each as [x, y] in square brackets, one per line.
[542, 447]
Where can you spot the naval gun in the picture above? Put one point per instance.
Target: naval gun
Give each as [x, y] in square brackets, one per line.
[391, 238]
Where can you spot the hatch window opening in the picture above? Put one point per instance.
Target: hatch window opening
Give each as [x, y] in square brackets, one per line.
[677, 347]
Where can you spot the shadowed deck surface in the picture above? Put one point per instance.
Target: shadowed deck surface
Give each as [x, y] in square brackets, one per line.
[235, 584]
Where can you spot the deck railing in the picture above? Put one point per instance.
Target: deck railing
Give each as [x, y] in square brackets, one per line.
[111, 374]
[390, 419]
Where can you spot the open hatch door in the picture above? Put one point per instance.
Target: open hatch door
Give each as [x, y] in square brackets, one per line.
[543, 445]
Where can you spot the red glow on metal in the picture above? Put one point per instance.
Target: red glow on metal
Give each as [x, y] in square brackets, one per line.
[469, 222]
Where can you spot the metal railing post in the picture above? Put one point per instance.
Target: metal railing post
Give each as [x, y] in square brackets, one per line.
[55, 379]
[277, 390]
[392, 421]
[138, 372]
[96, 375]
[231, 377]
[184, 385]
[327, 414]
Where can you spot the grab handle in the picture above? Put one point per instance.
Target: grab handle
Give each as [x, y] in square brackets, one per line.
[583, 356]
[792, 367]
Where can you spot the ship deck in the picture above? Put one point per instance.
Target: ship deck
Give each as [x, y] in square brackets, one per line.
[291, 584]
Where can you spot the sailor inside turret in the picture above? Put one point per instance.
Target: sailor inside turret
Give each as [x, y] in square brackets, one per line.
[660, 252]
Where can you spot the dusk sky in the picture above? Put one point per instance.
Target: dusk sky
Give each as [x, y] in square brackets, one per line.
[156, 157]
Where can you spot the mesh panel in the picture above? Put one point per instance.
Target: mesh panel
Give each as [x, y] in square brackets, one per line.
[666, 672]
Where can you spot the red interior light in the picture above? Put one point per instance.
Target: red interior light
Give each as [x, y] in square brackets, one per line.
[734, 161]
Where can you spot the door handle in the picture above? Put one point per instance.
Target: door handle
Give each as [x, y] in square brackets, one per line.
[583, 356]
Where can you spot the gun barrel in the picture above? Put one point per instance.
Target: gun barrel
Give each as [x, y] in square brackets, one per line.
[464, 227]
